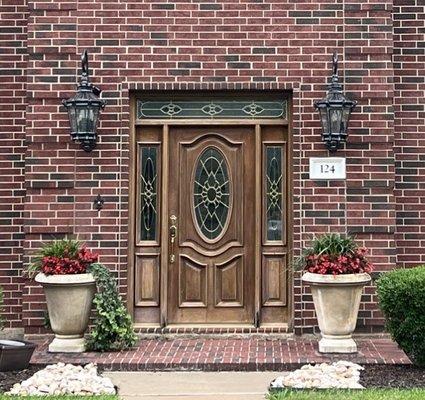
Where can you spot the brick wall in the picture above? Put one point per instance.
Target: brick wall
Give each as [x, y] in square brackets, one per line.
[228, 44]
[363, 205]
[409, 106]
[13, 60]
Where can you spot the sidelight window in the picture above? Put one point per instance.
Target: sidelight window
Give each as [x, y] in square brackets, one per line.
[149, 192]
[273, 192]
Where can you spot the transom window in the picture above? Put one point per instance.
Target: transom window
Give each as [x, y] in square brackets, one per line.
[175, 109]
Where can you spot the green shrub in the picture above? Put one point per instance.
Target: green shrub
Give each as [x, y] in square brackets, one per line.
[401, 295]
[113, 328]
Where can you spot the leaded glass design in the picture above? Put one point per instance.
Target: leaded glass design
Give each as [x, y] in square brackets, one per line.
[213, 109]
[149, 192]
[211, 195]
[274, 196]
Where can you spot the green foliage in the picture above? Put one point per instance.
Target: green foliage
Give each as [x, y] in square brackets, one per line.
[46, 320]
[59, 397]
[401, 295]
[1, 310]
[333, 244]
[56, 248]
[368, 394]
[113, 329]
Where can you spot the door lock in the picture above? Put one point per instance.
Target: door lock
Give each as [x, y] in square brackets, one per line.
[173, 235]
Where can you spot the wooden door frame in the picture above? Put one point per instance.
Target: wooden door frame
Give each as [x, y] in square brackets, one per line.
[166, 123]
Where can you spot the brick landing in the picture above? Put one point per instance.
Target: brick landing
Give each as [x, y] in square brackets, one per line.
[225, 354]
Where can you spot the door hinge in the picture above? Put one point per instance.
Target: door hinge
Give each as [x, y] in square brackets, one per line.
[257, 319]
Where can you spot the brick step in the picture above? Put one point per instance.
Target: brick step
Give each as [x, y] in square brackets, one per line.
[224, 354]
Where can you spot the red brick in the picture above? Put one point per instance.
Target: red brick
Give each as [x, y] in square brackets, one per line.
[141, 45]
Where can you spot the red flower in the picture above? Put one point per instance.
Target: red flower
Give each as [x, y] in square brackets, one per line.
[326, 264]
[67, 265]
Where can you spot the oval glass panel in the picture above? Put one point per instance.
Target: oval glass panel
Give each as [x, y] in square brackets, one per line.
[211, 194]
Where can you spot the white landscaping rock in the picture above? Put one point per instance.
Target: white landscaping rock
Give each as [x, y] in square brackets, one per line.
[338, 375]
[61, 379]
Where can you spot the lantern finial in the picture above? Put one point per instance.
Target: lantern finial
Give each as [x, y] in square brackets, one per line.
[335, 64]
[84, 69]
[85, 63]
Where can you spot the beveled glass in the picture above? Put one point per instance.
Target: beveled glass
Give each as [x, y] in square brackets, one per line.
[213, 109]
[211, 193]
[274, 193]
[149, 193]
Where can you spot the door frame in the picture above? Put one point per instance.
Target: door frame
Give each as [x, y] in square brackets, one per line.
[166, 123]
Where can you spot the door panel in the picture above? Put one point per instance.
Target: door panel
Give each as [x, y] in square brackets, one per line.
[212, 195]
[147, 280]
[192, 283]
[208, 226]
[274, 279]
[228, 285]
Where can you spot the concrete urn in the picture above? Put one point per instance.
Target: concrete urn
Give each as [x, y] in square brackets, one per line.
[336, 301]
[69, 300]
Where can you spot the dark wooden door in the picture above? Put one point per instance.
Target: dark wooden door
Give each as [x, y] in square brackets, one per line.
[211, 233]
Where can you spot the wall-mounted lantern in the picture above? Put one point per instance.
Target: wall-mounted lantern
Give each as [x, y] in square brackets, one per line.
[335, 110]
[83, 109]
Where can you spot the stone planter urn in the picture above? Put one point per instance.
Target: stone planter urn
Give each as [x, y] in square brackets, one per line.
[69, 300]
[15, 355]
[336, 301]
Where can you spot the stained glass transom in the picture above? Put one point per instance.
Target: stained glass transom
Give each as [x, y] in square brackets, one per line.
[149, 192]
[211, 196]
[211, 109]
[274, 196]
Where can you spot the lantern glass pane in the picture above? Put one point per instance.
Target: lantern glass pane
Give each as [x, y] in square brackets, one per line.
[346, 117]
[324, 119]
[82, 120]
[72, 119]
[93, 116]
[336, 117]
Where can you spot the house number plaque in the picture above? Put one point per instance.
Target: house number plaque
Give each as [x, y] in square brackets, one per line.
[324, 168]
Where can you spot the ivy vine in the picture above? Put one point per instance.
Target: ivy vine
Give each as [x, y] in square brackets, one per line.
[1, 310]
[113, 328]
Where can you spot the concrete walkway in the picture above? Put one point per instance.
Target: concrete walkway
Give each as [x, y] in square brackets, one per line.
[192, 385]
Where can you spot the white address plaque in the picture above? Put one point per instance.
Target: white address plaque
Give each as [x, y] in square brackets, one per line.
[327, 168]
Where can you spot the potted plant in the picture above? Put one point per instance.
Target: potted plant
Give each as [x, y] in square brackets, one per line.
[14, 354]
[336, 269]
[61, 268]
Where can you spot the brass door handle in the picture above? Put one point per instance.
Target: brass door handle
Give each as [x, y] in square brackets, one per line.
[173, 235]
